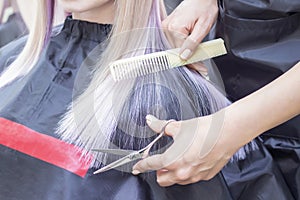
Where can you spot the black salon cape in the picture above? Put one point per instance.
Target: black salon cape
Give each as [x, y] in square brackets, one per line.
[34, 163]
[38, 106]
[13, 29]
[263, 39]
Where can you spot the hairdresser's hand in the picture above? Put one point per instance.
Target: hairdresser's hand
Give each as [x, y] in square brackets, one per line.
[190, 22]
[199, 151]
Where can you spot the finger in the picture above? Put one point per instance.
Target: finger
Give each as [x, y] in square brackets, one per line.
[189, 46]
[178, 28]
[181, 174]
[175, 29]
[175, 23]
[151, 163]
[194, 179]
[200, 30]
[164, 182]
[204, 172]
[176, 37]
[199, 67]
[187, 49]
[168, 161]
[199, 174]
[171, 129]
[155, 124]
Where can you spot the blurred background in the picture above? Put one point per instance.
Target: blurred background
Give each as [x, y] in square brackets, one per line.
[16, 18]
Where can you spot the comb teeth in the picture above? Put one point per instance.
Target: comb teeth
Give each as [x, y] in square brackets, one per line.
[128, 69]
[146, 64]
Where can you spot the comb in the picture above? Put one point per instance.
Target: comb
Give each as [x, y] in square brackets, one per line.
[155, 62]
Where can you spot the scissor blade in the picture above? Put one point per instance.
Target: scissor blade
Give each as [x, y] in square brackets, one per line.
[117, 163]
[120, 152]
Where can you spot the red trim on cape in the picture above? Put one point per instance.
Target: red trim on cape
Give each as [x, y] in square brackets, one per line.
[43, 147]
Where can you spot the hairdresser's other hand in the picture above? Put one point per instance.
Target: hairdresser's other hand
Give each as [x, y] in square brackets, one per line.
[190, 22]
[199, 151]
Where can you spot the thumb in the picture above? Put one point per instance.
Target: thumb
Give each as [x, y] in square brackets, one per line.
[171, 128]
[193, 40]
[199, 67]
[188, 48]
[155, 124]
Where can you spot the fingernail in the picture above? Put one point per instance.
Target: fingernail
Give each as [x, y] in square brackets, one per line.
[150, 119]
[185, 54]
[135, 172]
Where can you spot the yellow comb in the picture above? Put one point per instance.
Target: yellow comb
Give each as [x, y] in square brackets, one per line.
[150, 63]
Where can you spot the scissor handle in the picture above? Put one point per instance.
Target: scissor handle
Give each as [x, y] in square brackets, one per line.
[145, 151]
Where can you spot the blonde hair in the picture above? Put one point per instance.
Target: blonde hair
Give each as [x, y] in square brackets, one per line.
[105, 106]
[27, 59]
[131, 35]
[112, 115]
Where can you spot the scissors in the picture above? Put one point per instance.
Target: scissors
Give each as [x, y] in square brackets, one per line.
[129, 155]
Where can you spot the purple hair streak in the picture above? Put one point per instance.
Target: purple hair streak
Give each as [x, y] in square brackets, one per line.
[50, 16]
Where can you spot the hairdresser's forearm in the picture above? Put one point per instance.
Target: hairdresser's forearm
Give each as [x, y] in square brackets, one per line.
[268, 107]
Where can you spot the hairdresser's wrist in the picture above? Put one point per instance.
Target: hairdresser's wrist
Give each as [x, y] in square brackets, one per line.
[221, 137]
[232, 135]
[236, 130]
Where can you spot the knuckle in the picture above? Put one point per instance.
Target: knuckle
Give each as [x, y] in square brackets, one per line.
[193, 40]
[176, 27]
[161, 183]
[188, 159]
[208, 176]
[182, 175]
[195, 179]
[171, 127]
[164, 183]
